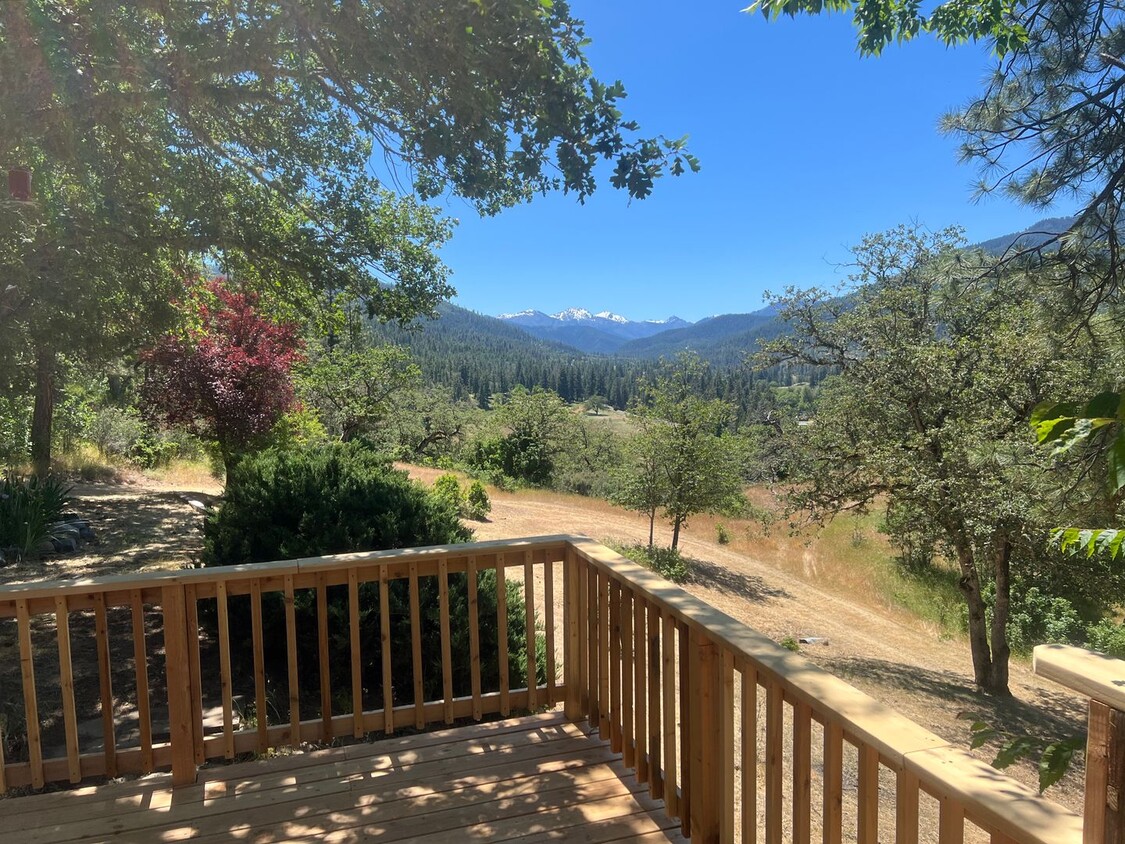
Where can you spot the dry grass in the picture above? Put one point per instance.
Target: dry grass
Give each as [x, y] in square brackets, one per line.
[848, 556]
[185, 474]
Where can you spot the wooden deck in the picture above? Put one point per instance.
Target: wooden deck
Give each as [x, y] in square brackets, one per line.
[535, 778]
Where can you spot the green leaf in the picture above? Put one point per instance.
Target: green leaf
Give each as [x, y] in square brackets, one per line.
[1018, 748]
[1104, 541]
[1055, 761]
[982, 736]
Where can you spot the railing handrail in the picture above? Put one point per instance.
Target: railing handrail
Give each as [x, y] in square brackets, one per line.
[275, 568]
[1096, 675]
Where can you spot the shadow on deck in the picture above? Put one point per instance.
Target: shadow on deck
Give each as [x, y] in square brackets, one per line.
[535, 778]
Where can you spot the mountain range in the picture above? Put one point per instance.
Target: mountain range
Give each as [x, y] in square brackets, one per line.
[521, 347]
[601, 333]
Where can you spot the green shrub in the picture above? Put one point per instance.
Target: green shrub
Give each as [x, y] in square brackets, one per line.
[667, 562]
[280, 505]
[29, 506]
[722, 534]
[115, 431]
[1036, 617]
[341, 498]
[122, 433]
[1108, 637]
[790, 644]
[477, 503]
[448, 489]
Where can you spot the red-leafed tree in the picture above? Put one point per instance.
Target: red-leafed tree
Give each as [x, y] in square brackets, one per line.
[228, 378]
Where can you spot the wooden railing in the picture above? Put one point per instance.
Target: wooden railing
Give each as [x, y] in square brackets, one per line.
[742, 739]
[169, 676]
[724, 724]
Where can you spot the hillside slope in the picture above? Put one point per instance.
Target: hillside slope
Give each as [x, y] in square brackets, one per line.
[887, 653]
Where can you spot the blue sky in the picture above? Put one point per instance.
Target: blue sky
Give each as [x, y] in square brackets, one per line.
[805, 147]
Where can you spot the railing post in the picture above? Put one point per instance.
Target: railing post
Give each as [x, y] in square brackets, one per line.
[706, 718]
[575, 659]
[181, 726]
[1104, 815]
[1100, 678]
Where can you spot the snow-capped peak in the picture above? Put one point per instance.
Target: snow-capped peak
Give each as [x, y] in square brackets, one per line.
[668, 321]
[529, 312]
[573, 314]
[611, 316]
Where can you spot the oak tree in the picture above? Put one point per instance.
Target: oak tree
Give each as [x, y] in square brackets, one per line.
[292, 144]
[941, 358]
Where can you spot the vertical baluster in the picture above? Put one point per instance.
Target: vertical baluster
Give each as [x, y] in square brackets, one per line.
[291, 651]
[549, 628]
[614, 624]
[774, 762]
[385, 651]
[105, 685]
[655, 720]
[802, 773]
[474, 640]
[906, 808]
[668, 678]
[195, 671]
[725, 755]
[66, 689]
[951, 822]
[260, 706]
[356, 654]
[416, 648]
[30, 707]
[140, 665]
[502, 634]
[324, 670]
[640, 683]
[446, 641]
[625, 628]
[834, 783]
[605, 705]
[868, 822]
[529, 631]
[593, 646]
[749, 755]
[225, 680]
[687, 705]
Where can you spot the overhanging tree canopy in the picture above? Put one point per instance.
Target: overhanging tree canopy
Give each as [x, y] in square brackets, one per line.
[290, 142]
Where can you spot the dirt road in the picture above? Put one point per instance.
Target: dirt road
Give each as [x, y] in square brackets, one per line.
[895, 659]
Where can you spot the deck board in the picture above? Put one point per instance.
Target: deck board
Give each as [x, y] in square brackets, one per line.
[535, 778]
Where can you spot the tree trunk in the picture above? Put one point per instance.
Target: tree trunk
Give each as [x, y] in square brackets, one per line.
[978, 623]
[43, 416]
[651, 526]
[1001, 562]
[676, 533]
